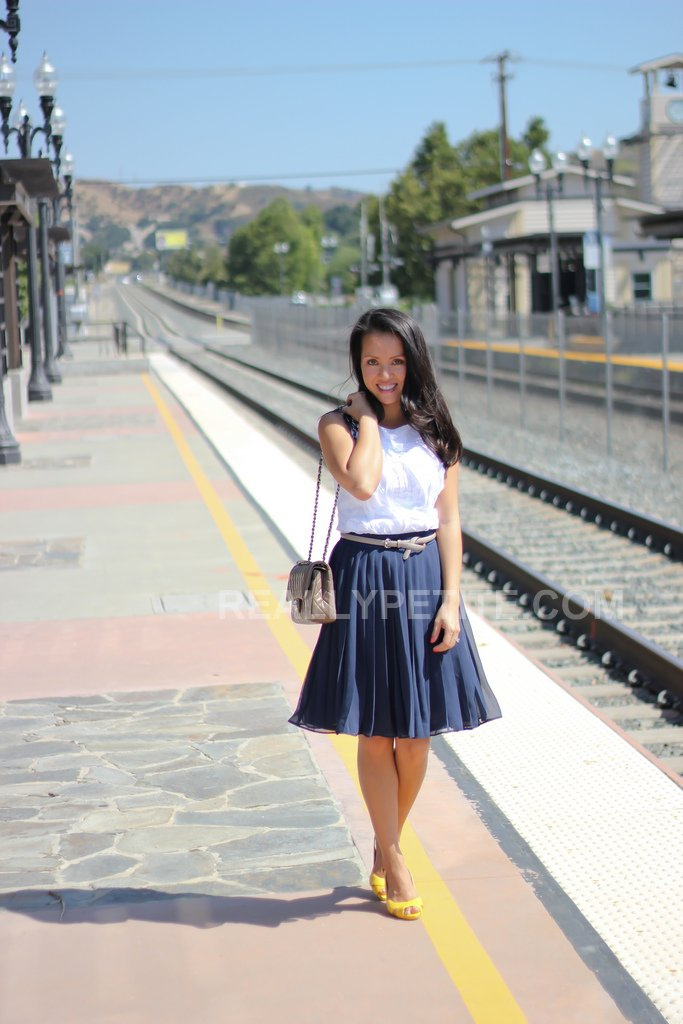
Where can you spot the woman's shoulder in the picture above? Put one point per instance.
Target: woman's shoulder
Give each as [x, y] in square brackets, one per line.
[332, 416]
[336, 417]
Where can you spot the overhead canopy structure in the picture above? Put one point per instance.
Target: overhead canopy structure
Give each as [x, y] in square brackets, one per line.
[34, 175]
[668, 225]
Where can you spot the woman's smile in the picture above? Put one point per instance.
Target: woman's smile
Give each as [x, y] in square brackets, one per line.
[383, 363]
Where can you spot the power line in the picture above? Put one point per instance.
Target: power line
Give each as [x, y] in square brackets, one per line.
[105, 74]
[238, 179]
[116, 74]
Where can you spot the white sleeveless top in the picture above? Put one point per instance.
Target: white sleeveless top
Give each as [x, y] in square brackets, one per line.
[412, 479]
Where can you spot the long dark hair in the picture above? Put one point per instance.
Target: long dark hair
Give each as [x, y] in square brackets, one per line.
[424, 407]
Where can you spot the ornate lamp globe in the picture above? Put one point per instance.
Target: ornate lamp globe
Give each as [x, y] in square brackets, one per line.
[537, 162]
[8, 78]
[45, 77]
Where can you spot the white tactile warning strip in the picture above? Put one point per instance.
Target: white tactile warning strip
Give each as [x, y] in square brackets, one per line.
[605, 822]
[278, 485]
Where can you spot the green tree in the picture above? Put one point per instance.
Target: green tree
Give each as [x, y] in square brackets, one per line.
[435, 186]
[255, 268]
[342, 221]
[184, 265]
[431, 188]
[94, 255]
[107, 233]
[536, 134]
[144, 262]
[344, 264]
[214, 265]
[312, 217]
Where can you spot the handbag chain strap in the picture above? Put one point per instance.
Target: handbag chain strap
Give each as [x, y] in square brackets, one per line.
[315, 513]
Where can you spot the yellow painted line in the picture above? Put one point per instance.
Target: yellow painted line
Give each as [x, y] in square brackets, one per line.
[513, 348]
[296, 649]
[480, 984]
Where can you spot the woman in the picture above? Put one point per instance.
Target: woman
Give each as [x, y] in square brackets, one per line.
[399, 664]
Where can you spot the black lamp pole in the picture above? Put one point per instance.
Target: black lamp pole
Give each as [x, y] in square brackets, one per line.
[64, 351]
[51, 369]
[46, 81]
[12, 25]
[538, 164]
[609, 152]
[10, 452]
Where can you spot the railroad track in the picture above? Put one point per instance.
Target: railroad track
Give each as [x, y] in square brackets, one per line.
[613, 628]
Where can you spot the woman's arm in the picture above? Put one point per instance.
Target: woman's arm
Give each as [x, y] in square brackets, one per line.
[449, 540]
[356, 467]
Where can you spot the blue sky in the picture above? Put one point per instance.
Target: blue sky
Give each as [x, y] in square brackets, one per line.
[228, 114]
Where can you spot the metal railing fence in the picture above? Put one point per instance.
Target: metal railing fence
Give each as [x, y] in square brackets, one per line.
[540, 372]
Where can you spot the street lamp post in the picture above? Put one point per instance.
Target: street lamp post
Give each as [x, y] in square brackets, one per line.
[328, 244]
[12, 25]
[10, 452]
[281, 249]
[67, 166]
[45, 80]
[537, 165]
[609, 153]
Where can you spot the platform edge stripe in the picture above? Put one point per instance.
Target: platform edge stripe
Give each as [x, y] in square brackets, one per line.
[479, 982]
[629, 997]
[294, 647]
[639, 362]
[473, 973]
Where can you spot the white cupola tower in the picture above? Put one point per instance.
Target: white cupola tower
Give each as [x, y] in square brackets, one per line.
[661, 131]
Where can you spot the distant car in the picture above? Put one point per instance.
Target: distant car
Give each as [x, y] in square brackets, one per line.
[299, 299]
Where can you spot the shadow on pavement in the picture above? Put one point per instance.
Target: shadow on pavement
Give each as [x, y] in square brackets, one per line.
[199, 910]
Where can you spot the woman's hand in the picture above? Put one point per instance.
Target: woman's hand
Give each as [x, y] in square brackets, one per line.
[357, 405]
[446, 621]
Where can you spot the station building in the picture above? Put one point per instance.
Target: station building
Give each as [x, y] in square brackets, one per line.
[497, 261]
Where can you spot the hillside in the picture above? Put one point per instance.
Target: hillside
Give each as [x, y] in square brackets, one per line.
[210, 213]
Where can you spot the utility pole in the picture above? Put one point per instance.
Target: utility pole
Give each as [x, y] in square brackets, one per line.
[363, 246]
[385, 257]
[501, 59]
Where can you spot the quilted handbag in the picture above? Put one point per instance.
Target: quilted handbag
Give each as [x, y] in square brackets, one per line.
[310, 587]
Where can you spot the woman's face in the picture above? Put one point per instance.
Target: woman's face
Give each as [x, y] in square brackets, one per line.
[383, 364]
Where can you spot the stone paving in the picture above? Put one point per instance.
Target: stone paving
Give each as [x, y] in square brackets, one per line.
[146, 794]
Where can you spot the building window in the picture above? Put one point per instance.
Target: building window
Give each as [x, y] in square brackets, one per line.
[642, 287]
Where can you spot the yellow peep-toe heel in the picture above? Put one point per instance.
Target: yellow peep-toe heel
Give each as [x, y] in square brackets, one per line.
[378, 884]
[406, 910]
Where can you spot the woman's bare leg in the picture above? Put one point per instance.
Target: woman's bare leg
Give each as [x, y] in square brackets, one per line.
[378, 778]
[390, 779]
[410, 757]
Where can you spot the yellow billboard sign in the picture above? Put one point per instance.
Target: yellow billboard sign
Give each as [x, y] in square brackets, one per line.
[176, 239]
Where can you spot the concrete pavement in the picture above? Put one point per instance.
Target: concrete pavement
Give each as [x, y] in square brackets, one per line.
[170, 847]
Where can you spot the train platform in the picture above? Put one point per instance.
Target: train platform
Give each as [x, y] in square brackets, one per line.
[171, 847]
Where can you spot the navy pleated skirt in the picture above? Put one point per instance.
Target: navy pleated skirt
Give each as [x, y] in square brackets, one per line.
[373, 671]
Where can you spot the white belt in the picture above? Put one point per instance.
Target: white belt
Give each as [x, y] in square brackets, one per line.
[409, 546]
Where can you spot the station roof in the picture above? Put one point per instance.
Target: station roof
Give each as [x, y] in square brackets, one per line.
[33, 174]
[673, 62]
[667, 225]
[512, 184]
